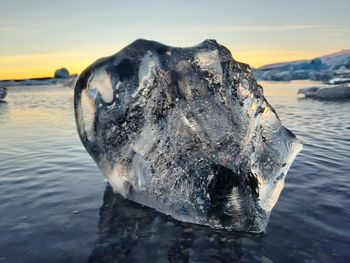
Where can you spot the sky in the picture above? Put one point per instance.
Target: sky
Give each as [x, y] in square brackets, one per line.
[40, 36]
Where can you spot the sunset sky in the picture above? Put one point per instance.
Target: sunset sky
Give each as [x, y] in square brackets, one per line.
[40, 36]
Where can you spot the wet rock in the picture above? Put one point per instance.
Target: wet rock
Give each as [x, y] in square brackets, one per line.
[186, 131]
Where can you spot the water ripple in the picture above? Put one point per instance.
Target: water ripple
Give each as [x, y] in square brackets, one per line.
[52, 199]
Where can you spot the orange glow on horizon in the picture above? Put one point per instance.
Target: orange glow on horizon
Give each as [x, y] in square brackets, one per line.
[44, 65]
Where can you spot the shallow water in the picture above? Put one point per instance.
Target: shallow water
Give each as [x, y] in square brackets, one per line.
[55, 205]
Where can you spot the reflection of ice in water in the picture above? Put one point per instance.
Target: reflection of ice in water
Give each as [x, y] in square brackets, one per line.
[128, 231]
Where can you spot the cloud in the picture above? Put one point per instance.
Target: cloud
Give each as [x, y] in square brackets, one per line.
[265, 28]
[8, 29]
[14, 29]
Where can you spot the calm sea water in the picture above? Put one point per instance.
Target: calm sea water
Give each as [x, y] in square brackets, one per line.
[55, 205]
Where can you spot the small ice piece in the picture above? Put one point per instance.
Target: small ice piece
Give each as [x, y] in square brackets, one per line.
[329, 92]
[62, 73]
[186, 131]
[3, 93]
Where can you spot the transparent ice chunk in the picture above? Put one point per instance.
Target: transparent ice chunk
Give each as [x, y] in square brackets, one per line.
[186, 131]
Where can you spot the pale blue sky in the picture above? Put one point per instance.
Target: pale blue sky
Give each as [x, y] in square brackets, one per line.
[251, 29]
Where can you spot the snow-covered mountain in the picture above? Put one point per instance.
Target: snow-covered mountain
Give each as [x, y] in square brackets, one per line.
[336, 58]
[330, 60]
[321, 68]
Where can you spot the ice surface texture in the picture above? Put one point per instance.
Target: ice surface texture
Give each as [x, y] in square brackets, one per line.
[186, 131]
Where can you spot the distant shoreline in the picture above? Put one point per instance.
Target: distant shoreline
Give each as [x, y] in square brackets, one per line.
[18, 80]
[69, 81]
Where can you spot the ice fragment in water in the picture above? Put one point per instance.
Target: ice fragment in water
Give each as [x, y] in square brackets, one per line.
[186, 131]
[3, 93]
